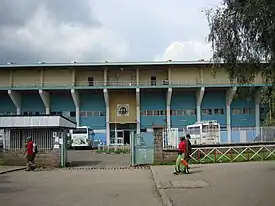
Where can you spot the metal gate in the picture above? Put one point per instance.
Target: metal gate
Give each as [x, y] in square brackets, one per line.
[142, 149]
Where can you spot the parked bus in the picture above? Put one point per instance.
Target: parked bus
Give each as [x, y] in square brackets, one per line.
[80, 137]
[204, 132]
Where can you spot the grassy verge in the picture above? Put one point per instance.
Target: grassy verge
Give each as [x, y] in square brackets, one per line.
[228, 158]
[113, 151]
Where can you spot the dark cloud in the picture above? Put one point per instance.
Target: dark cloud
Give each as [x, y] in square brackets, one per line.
[17, 13]
[52, 30]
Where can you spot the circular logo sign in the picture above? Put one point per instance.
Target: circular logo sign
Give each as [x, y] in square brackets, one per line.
[123, 110]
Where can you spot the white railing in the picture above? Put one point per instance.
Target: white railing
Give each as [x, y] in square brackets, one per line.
[233, 153]
[126, 83]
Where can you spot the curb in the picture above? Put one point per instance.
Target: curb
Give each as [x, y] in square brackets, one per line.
[12, 170]
[105, 168]
[163, 195]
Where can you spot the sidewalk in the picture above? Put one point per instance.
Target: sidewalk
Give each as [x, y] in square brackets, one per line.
[7, 169]
[245, 184]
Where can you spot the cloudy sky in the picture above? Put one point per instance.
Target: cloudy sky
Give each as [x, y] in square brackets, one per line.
[97, 30]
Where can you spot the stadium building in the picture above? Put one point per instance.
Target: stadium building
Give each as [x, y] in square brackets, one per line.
[122, 97]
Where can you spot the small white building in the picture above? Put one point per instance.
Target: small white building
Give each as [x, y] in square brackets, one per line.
[42, 129]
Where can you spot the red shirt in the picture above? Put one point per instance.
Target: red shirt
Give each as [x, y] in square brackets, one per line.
[182, 146]
[30, 148]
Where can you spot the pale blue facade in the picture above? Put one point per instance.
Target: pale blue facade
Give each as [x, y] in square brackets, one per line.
[91, 101]
[183, 100]
[87, 104]
[32, 103]
[6, 105]
[152, 101]
[214, 100]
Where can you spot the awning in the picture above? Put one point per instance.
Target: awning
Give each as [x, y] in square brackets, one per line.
[36, 122]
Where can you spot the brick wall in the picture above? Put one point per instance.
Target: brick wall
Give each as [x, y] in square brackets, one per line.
[46, 159]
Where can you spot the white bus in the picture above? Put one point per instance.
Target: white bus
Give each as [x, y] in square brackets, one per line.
[80, 137]
[204, 132]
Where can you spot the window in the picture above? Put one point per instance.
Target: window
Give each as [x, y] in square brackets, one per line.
[91, 81]
[143, 113]
[153, 80]
[190, 112]
[179, 112]
[206, 112]
[102, 113]
[149, 113]
[162, 112]
[193, 130]
[66, 114]
[83, 114]
[248, 111]
[210, 128]
[173, 112]
[7, 113]
[236, 111]
[72, 114]
[56, 113]
[80, 131]
[218, 111]
[156, 113]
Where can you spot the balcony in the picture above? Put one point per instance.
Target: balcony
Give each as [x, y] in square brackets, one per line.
[122, 84]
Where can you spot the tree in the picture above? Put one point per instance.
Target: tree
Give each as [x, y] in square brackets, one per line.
[242, 34]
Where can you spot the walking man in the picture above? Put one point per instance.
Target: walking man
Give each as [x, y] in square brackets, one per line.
[29, 153]
[180, 159]
[188, 152]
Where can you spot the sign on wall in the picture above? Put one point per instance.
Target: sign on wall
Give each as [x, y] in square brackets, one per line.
[122, 110]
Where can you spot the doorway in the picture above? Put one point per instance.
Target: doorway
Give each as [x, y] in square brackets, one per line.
[120, 133]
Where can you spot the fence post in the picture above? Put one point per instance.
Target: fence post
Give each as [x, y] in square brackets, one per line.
[132, 148]
[158, 144]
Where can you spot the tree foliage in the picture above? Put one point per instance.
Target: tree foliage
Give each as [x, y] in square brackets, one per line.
[242, 34]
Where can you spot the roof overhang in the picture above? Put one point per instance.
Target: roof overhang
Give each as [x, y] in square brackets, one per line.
[36, 122]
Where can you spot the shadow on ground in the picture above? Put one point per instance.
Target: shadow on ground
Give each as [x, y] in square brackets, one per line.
[85, 163]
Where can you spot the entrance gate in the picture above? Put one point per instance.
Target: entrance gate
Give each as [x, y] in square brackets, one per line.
[142, 149]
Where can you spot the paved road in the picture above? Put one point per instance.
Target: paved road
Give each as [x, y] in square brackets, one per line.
[88, 158]
[245, 184]
[79, 188]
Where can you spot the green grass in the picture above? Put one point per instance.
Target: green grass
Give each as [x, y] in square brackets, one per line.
[113, 151]
[228, 158]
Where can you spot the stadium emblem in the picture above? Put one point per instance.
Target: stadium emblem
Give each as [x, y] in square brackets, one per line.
[122, 110]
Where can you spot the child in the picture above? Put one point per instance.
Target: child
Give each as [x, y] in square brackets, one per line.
[180, 158]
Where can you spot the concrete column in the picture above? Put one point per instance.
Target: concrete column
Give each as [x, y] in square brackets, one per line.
[199, 97]
[45, 97]
[257, 111]
[16, 99]
[75, 96]
[201, 75]
[229, 97]
[73, 77]
[11, 78]
[168, 108]
[138, 109]
[169, 76]
[42, 77]
[105, 77]
[106, 98]
[137, 76]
